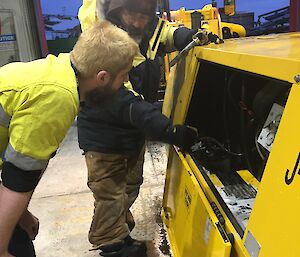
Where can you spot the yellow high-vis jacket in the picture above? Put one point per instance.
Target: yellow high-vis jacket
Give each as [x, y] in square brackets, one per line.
[38, 103]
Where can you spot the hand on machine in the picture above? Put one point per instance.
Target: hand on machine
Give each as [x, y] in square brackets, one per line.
[202, 37]
[184, 136]
[188, 139]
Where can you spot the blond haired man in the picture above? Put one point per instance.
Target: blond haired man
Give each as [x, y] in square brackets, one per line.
[37, 107]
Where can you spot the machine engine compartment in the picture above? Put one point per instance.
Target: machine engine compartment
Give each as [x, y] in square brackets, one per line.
[237, 115]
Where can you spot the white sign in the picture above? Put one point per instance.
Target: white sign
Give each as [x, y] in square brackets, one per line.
[8, 40]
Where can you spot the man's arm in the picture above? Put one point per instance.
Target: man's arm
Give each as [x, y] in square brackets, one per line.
[12, 206]
[156, 126]
[175, 38]
[183, 36]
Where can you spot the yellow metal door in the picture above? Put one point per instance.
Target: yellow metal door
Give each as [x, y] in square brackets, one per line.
[192, 225]
[274, 224]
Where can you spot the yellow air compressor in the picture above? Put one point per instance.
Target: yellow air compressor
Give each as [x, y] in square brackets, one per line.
[209, 18]
[236, 193]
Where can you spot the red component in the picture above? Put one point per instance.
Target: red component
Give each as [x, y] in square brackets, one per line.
[294, 15]
[41, 28]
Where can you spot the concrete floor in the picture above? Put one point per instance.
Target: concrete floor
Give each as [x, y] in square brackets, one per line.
[64, 204]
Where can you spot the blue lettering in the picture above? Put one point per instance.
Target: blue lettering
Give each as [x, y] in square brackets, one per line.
[7, 38]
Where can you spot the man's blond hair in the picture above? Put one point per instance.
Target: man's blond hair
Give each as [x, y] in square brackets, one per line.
[103, 46]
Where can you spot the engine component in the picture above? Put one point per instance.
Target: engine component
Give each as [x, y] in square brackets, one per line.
[267, 134]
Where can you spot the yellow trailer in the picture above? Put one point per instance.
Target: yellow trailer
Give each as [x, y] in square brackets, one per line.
[237, 192]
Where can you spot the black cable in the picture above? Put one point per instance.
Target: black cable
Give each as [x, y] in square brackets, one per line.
[211, 139]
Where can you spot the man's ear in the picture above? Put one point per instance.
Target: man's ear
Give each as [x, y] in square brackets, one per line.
[103, 78]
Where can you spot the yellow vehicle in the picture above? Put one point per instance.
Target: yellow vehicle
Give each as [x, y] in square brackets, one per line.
[236, 193]
[208, 17]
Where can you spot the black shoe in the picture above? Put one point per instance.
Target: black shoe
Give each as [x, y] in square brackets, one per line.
[20, 244]
[128, 248]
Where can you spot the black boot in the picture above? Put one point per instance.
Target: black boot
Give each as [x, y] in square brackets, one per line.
[20, 244]
[127, 248]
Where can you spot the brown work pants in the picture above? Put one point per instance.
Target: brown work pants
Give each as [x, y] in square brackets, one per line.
[115, 181]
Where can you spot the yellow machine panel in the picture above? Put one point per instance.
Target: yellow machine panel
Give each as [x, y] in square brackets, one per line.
[278, 198]
[236, 192]
[191, 209]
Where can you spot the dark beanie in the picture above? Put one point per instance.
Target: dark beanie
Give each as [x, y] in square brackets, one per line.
[147, 7]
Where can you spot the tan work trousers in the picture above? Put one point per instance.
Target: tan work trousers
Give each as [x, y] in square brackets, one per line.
[115, 181]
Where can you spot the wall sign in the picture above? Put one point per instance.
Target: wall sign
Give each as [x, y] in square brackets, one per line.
[8, 40]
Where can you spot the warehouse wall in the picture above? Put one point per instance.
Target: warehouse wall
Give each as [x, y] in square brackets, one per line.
[26, 30]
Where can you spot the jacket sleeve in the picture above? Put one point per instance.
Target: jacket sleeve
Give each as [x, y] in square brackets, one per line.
[183, 36]
[175, 38]
[147, 119]
[87, 13]
[39, 123]
[155, 126]
[19, 180]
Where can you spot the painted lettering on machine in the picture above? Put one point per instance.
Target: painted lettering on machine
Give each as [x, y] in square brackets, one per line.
[289, 177]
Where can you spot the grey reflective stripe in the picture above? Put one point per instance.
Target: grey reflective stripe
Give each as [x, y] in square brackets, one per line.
[22, 161]
[4, 118]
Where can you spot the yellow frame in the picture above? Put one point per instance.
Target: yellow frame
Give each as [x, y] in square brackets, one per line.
[274, 222]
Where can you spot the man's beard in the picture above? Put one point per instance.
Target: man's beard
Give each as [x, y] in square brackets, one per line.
[100, 96]
[136, 34]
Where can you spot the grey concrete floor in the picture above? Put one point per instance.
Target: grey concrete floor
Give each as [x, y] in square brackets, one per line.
[64, 204]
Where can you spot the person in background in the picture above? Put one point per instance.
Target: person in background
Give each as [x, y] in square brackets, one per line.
[115, 142]
[38, 103]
